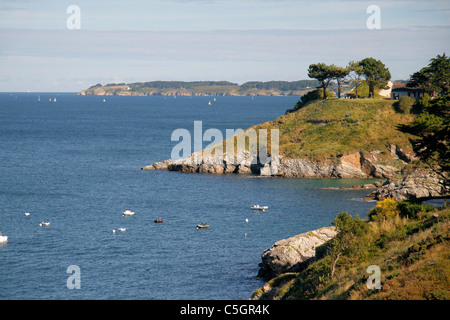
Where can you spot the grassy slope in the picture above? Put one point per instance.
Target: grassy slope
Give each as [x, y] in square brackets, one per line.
[351, 125]
[413, 256]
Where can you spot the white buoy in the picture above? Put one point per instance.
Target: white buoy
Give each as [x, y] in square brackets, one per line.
[246, 220]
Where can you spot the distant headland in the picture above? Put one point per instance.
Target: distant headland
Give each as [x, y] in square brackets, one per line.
[203, 88]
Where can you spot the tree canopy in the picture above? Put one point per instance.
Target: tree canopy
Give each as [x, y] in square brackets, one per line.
[434, 77]
[325, 74]
[432, 129]
[376, 73]
[432, 125]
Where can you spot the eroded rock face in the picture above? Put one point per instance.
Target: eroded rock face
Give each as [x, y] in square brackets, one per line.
[418, 184]
[352, 165]
[295, 253]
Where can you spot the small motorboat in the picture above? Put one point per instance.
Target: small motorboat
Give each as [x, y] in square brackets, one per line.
[3, 239]
[159, 220]
[128, 213]
[258, 207]
[203, 225]
[121, 229]
[43, 223]
[27, 214]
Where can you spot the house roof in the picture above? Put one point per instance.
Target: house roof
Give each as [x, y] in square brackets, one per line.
[406, 89]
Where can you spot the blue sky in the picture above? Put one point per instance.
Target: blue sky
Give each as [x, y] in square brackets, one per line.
[129, 41]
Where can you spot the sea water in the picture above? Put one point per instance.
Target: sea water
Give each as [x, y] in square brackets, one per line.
[76, 164]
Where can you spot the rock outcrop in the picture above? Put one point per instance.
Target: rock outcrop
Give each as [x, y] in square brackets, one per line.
[420, 183]
[295, 253]
[243, 162]
[353, 165]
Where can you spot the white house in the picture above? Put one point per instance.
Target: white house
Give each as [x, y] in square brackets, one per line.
[400, 90]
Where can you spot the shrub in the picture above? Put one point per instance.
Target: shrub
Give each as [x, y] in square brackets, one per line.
[404, 105]
[310, 96]
[412, 210]
[350, 240]
[384, 209]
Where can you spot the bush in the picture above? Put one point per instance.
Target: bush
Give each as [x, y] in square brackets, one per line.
[412, 210]
[404, 105]
[310, 96]
[351, 239]
[384, 209]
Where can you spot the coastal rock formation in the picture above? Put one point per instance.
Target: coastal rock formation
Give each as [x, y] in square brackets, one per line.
[353, 165]
[293, 254]
[418, 184]
[242, 162]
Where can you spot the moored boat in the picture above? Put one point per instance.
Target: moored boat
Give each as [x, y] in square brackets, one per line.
[3, 239]
[127, 213]
[258, 207]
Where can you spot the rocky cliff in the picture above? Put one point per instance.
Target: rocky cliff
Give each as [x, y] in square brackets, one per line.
[353, 165]
[417, 183]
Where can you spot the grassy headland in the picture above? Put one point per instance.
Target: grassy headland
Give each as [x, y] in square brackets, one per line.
[331, 127]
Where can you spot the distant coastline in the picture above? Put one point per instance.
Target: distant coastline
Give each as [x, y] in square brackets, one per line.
[203, 88]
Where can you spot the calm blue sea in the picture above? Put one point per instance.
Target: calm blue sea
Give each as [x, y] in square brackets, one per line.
[76, 163]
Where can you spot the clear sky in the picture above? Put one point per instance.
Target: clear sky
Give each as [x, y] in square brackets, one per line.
[130, 41]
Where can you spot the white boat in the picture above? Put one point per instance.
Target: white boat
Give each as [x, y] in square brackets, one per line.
[104, 100]
[258, 207]
[121, 229]
[203, 225]
[3, 239]
[128, 213]
[43, 223]
[27, 214]
[54, 100]
[209, 103]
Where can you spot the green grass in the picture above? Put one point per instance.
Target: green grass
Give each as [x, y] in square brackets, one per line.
[332, 127]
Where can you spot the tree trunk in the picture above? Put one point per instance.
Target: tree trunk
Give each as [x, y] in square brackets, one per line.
[334, 264]
[339, 89]
[324, 91]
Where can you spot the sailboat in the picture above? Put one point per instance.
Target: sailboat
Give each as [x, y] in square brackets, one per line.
[54, 100]
[39, 98]
[209, 103]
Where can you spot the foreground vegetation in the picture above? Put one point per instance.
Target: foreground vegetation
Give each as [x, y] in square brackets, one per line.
[409, 242]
